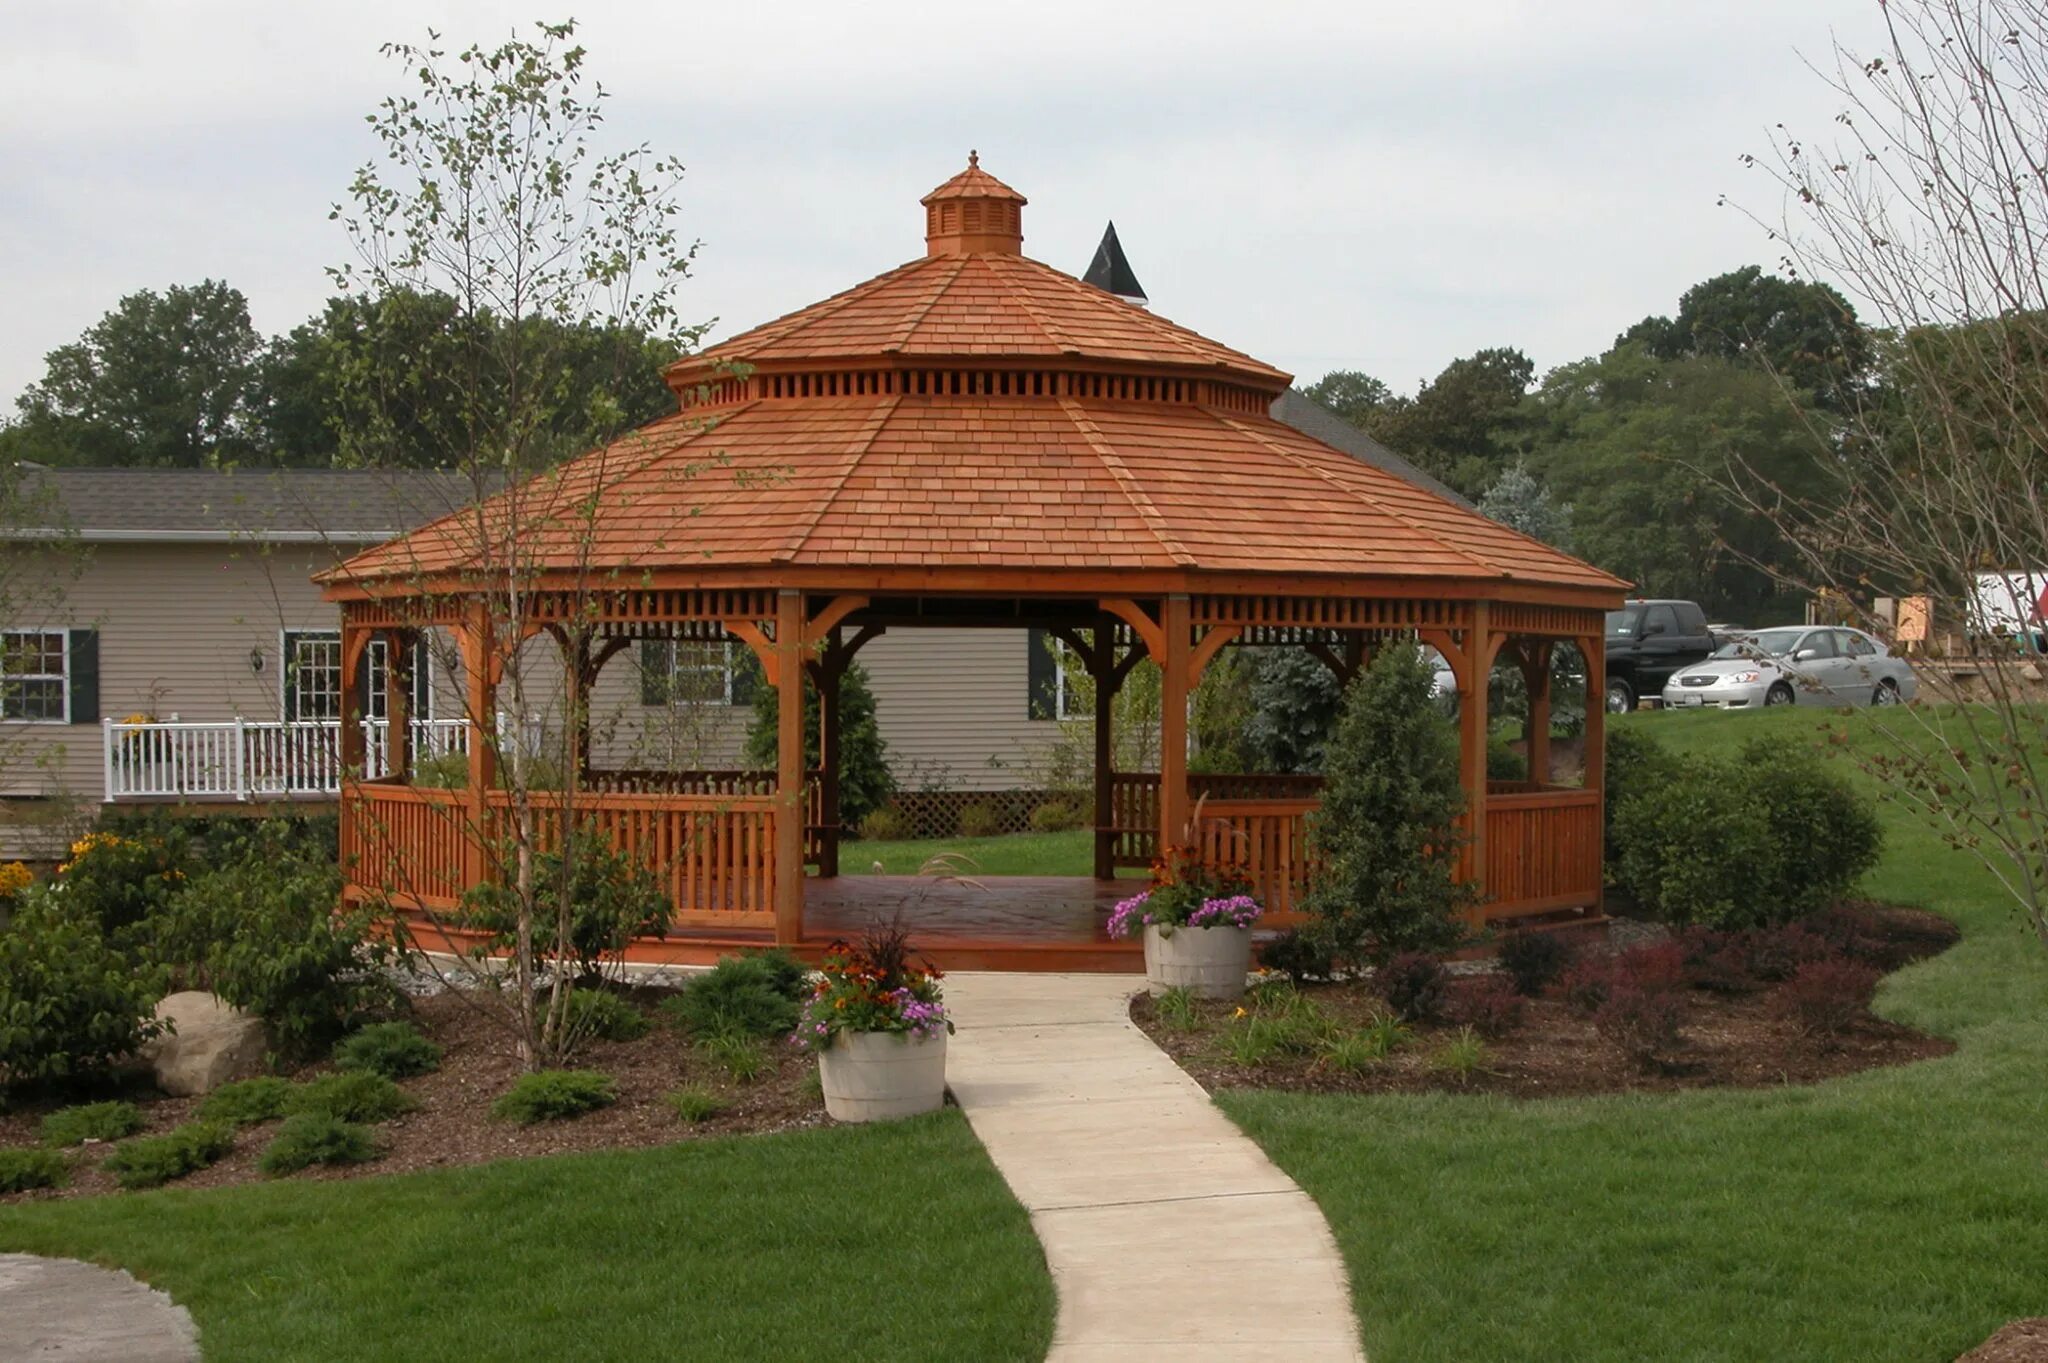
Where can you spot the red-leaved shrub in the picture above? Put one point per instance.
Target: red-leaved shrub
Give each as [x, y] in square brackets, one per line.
[1642, 1022]
[1777, 953]
[1653, 966]
[1715, 961]
[1826, 998]
[1585, 983]
[1488, 1005]
[1414, 985]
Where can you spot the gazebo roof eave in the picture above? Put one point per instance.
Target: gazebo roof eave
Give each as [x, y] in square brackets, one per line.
[1083, 582]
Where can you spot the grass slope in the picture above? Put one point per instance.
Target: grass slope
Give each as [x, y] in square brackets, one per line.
[883, 1242]
[1898, 1215]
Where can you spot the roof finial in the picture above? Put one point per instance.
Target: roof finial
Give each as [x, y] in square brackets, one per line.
[973, 158]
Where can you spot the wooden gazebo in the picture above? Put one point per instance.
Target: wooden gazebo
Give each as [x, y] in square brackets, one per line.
[971, 439]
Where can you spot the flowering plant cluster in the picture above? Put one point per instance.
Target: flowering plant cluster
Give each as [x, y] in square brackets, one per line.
[14, 878]
[1170, 906]
[874, 987]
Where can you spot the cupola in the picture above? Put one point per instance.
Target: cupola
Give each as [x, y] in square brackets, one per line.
[973, 213]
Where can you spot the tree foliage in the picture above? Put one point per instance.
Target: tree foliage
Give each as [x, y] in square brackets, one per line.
[865, 781]
[1386, 833]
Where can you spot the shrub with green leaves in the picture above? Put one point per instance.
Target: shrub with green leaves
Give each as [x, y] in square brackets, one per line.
[150, 1161]
[612, 897]
[248, 1101]
[1386, 833]
[887, 824]
[754, 995]
[123, 879]
[1301, 956]
[744, 1058]
[23, 1170]
[109, 1121]
[1058, 816]
[865, 781]
[263, 933]
[70, 1003]
[351, 1096]
[317, 1138]
[1533, 960]
[694, 1105]
[1765, 840]
[1636, 763]
[979, 820]
[555, 1095]
[395, 1050]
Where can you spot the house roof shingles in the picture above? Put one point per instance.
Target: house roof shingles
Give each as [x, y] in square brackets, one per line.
[145, 504]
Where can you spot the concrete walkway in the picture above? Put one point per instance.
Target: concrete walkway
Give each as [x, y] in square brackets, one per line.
[63, 1309]
[1170, 1235]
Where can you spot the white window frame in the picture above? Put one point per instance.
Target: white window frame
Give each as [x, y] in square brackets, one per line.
[286, 687]
[1061, 656]
[676, 669]
[374, 703]
[63, 679]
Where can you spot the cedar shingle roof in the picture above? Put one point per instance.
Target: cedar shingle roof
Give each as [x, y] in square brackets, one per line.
[859, 469]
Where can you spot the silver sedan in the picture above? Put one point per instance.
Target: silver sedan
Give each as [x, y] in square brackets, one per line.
[1798, 665]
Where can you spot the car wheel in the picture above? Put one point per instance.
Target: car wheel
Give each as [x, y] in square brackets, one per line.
[1780, 694]
[1620, 698]
[1887, 693]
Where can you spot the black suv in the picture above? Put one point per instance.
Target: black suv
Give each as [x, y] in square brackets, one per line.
[1647, 641]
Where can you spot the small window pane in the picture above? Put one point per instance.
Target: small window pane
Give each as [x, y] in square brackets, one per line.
[33, 683]
[701, 673]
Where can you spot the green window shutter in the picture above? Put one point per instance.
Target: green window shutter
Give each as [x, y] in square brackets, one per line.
[1042, 679]
[422, 678]
[746, 674]
[362, 687]
[657, 668]
[84, 679]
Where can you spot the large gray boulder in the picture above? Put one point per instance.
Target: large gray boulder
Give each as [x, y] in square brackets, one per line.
[209, 1043]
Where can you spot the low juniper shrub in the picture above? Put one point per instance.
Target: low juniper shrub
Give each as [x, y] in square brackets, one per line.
[350, 1096]
[554, 1095]
[90, 1122]
[395, 1050]
[754, 995]
[600, 1015]
[695, 1105]
[1414, 984]
[1828, 998]
[247, 1102]
[25, 1169]
[1643, 1022]
[1534, 960]
[150, 1161]
[314, 1138]
[1489, 1005]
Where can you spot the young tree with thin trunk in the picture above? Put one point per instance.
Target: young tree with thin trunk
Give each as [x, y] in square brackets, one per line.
[1928, 206]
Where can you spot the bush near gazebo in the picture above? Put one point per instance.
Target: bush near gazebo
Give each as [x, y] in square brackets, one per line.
[1385, 836]
[865, 781]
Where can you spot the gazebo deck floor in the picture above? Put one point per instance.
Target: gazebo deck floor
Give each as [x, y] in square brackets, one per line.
[1007, 923]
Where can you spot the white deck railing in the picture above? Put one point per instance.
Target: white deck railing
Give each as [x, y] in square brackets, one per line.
[239, 759]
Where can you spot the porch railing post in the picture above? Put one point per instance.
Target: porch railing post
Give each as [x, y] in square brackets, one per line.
[240, 761]
[107, 757]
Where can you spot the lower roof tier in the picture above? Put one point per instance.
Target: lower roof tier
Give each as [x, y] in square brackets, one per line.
[976, 483]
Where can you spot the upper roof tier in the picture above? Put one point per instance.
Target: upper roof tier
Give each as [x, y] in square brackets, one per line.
[975, 420]
[974, 296]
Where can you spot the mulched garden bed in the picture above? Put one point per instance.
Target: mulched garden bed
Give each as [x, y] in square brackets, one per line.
[453, 1126]
[2023, 1341]
[1728, 1039]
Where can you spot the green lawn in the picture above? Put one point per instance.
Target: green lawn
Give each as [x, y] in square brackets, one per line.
[1017, 854]
[1895, 1215]
[884, 1242]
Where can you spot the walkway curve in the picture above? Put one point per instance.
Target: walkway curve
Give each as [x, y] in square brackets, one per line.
[64, 1309]
[1169, 1233]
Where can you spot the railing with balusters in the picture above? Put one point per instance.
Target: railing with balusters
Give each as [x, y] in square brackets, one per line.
[240, 759]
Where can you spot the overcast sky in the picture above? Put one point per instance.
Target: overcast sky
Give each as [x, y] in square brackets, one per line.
[1371, 185]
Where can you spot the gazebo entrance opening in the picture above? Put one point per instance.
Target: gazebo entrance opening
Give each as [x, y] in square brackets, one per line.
[755, 857]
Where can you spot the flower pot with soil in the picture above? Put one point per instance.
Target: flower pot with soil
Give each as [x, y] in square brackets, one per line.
[879, 1026]
[1193, 940]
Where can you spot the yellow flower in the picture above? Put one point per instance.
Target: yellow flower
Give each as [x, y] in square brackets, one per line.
[1239, 1013]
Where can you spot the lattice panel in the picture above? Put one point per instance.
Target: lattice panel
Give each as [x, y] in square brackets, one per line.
[1520, 618]
[1330, 612]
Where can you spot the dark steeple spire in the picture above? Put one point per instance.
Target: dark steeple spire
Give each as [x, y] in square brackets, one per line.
[1111, 273]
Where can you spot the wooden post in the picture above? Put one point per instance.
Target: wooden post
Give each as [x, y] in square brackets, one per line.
[576, 679]
[1176, 671]
[350, 751]
[398, 647]
[480, 700]
[789, 768]
[1472, 728]
[1593, 652]
[830, 672]
[1536, 680]
[1102, 667]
